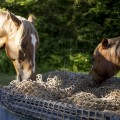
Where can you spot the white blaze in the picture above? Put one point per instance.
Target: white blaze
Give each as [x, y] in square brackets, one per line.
[34, 40]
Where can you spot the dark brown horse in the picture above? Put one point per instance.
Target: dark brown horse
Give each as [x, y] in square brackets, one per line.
[19, 38]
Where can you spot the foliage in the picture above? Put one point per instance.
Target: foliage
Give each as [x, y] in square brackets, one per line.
[69, 30]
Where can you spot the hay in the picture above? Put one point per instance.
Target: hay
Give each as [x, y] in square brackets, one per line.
[72, 88]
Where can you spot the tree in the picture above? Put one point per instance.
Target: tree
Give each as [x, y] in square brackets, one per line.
[69, 30]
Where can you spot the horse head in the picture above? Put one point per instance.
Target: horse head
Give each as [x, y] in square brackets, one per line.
[20, 39]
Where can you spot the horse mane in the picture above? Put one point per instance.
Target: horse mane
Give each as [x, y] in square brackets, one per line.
[25, 30]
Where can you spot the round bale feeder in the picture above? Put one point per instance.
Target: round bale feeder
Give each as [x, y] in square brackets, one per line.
[60, 95]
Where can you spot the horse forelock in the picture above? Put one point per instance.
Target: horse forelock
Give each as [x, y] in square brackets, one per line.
[24, 32]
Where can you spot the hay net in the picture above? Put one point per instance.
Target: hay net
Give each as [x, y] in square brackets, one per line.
[62, 95]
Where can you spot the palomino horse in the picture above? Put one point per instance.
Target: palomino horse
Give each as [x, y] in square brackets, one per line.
[19, 38]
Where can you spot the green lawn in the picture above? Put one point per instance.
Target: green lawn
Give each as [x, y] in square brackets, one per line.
[6, 78]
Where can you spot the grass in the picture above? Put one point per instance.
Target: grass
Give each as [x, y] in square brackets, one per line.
[5, 79]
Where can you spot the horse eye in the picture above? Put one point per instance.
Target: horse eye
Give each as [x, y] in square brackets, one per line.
[23, 46]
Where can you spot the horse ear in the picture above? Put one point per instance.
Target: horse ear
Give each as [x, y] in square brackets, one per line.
[104, 43]
[31, 18]
[16, 21]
